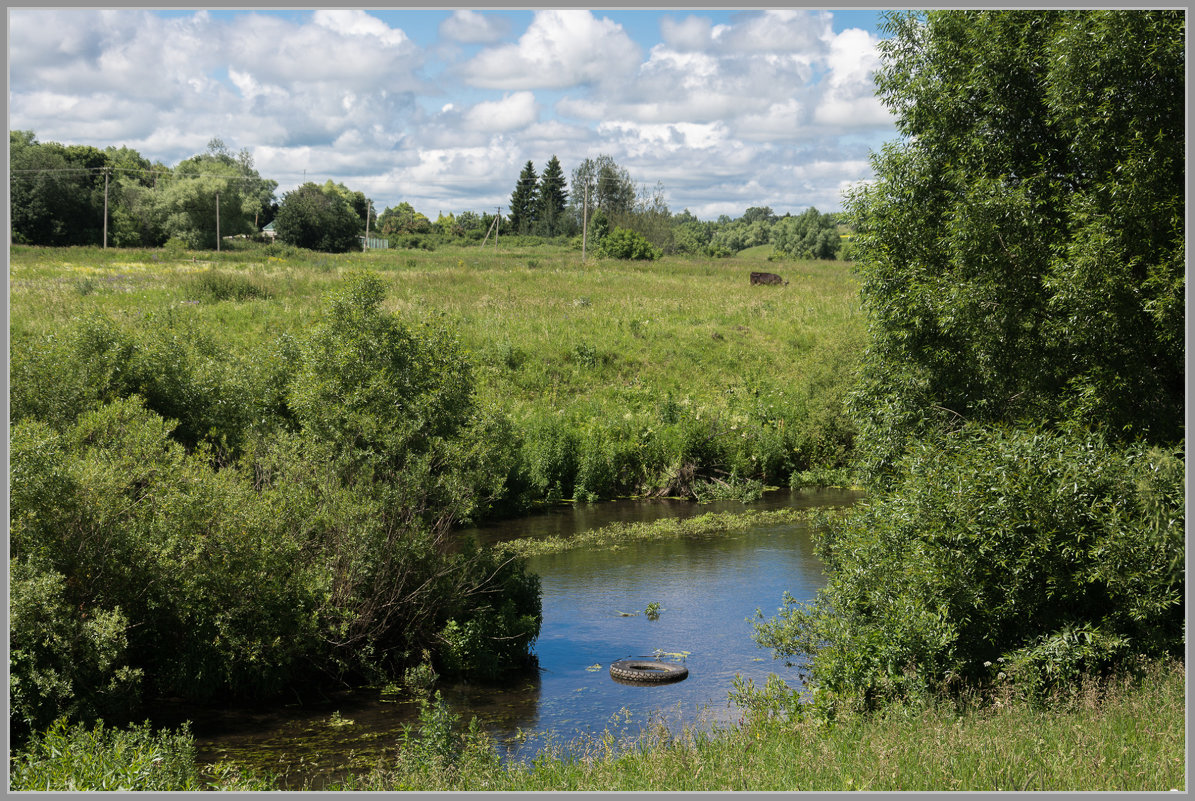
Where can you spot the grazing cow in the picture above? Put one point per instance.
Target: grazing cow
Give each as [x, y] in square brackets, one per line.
[767, 278]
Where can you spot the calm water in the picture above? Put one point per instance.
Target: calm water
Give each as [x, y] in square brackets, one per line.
[708, 590]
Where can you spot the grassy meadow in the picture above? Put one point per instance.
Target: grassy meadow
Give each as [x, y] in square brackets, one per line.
[651, 377]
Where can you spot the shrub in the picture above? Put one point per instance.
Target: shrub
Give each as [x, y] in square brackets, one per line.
[622, 243]
[63, 660]
[1036, 555]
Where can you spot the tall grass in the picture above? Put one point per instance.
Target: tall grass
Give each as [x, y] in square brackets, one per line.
[1124, 734]
[658, 376]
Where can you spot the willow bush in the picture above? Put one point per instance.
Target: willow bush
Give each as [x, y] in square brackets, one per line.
[1002, 555]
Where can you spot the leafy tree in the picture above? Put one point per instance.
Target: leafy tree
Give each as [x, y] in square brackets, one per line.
[358, 202]
[758, 214]
[1021, 400]
[552, 199]
[1021, 249]
[403, 219]
[318, 218]
[524, 201]
[809, 236]
[650, 218]
[56, 192]
[189, 198]
[602, 184]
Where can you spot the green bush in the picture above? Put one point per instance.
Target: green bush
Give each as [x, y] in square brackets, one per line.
[47, 382]
[217, 595]
[622, 243]
[1001, 554]
[63, 660]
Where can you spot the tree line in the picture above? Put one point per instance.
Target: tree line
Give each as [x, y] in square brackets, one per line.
[65, 195]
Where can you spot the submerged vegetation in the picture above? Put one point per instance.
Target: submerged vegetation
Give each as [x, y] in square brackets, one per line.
[617, 535]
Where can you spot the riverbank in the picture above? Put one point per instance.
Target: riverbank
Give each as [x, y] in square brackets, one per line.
[1125, 734]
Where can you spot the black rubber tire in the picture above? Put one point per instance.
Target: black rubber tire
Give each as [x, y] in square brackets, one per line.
[647, 671]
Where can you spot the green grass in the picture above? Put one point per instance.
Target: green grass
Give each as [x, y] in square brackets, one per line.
[609, 349]
[1122, 735]
[82, 758]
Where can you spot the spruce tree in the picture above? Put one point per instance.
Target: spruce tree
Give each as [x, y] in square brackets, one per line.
[552, 198]
[523, 200]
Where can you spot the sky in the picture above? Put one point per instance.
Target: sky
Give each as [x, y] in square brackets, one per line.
[443, 108]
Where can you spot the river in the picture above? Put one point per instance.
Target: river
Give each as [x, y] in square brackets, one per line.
[594, 612]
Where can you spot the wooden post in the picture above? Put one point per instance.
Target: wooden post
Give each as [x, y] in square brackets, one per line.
[105, 209]
[584, 220]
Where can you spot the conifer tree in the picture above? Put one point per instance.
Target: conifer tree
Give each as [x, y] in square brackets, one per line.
[552, 198]
[523, 200]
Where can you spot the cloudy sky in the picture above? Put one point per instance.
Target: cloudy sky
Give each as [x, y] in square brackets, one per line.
[443, 108]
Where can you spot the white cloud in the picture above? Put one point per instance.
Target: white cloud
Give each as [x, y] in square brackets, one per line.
[849, 100]
[560, 49]
[471, 27]
[511, 113]
[727, 116]
[777, 31]
[360, 24]
[691, 33]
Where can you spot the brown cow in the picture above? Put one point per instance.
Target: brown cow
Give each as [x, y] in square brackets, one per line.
[767, 278]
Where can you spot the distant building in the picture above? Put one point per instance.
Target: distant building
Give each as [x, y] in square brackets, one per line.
[269, 230]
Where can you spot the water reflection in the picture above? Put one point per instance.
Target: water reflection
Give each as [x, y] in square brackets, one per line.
[594, 604]
[563, 521]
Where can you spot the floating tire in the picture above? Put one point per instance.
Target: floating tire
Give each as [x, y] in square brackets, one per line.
[647, 671]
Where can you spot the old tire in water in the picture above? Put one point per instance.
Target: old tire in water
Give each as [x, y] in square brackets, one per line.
[647, 671]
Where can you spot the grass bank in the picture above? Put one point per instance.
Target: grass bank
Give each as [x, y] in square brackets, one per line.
[1125, 734]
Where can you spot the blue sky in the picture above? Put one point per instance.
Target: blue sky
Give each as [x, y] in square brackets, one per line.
[442, 108]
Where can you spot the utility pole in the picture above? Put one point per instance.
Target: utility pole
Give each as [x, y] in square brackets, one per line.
[497, 225]
[584, 221]
[106, 171]
[217, 222]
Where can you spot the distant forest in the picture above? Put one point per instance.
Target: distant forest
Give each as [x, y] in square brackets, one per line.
[63, 195]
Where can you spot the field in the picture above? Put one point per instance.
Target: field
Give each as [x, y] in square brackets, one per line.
[661, 377]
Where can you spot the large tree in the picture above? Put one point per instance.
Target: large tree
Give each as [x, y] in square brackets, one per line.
[1021, 404]
[552, 199]
[318, 218]
[1021, 248]
[190, 196]
[524, 200]
[601, 184]
[403, 219]
[56, 192]
[810, 235]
